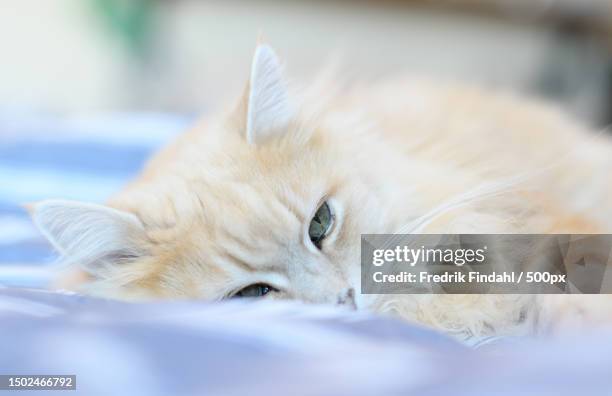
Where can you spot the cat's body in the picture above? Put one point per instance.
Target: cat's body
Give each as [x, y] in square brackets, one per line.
[229, 203]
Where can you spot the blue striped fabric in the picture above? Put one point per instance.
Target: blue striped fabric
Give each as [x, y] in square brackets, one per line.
[77, 158]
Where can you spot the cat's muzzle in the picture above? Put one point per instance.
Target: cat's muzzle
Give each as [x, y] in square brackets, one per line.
[347, 298]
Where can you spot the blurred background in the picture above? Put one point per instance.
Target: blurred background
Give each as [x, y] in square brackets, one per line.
[84, 56]
[90, 88]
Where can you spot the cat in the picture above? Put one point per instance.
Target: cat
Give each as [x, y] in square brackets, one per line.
[270, 198]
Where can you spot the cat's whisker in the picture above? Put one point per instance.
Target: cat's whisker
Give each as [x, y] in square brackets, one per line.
[463, 199]
[490, 190]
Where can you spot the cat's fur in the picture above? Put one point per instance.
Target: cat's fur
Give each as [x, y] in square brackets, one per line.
[228, 204]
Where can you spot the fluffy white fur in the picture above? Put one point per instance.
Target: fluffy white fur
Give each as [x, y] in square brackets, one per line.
[229, 203]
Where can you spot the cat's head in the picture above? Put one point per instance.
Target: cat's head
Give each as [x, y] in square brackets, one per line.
[267, 201]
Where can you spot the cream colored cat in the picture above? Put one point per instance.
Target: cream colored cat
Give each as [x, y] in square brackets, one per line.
[270, 199]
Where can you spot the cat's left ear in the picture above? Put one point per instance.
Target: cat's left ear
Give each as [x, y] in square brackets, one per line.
[96, 237]
[266, 105]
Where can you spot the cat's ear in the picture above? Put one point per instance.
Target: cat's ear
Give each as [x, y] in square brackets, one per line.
[95, 237]
[266, 105]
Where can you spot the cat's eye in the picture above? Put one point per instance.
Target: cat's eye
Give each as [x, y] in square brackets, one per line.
[321, 224]
[255, 290]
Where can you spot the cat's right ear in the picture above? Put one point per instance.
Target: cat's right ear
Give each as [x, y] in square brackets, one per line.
[95, 237]
[265, 110]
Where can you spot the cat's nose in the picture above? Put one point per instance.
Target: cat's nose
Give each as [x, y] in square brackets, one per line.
[347, 298]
